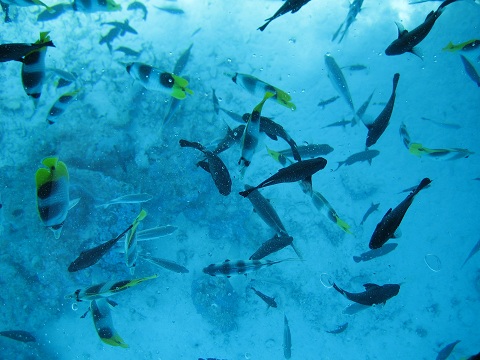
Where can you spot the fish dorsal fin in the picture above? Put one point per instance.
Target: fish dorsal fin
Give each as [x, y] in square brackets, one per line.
[370, 286]
[401, 30]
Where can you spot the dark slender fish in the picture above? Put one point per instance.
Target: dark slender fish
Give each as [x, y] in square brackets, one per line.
[338, 330]
[407, 40]
[362, 109]
[289, 6]
[6, 9]
[386, 228]
[342, 123]
[373, 295]
[295, 172]
[355, 8]
[376, 129]
[372, 254]
[54, 12]
[310, 150]
[470, 70]
[232, 137]
[371, 209]
[446, 351]
[171, 10]
[19, 335]
[474, 250]
[217, 169]
[16, 51]
[167, 264]
[357, 67]
[182, 61]
[123, 26]
[287, 339]
[268, 300]
[216, 103]
[324, 103]
[137, 5]
[127, 51]
[277, 243]
[234, 116]
[366, 155]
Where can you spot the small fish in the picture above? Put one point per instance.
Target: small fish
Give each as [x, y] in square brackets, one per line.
[470, 70]
[128, 52]
[182, 61]
[277, 243]
[355, 8]
[268, 300]
[474, 250]
[371, 209]
[155, 79]
[338, 330]
[419, 150]
[375, 253]
[111, 35]
[295, 172]
[367, 155]
[137, 5]
[19, 335]
[373, 295]
[362, 109]
[287, 339]
[54, 12]
[216, 103]
[386, 228]
[378, 127]
[17, 51]
[59, 107]
[324, 103]
[131, 249]
[341, 123]
[310, 150]
[6, 10]
[167, 264]
[407, 40]
[289, 6]
[156, 232]
[447, 125]
[65, 78]
[357, 67]
[24, 3]
[405, 135]
[171, 10]
[321, 203]
[91, 6]
[127, 199]
[464, 46]
[216, 167]
[124, 27]
[239, 267]
[106, 289]
[446, 351]
[232, 137]
[338, 80]
[102, 320]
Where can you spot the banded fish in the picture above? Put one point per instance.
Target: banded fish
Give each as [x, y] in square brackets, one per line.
[322, 203]
[367, 155]
[103, 322]
[373, 295]
[106, 289]
[464, 46]
[474, 250]
[355, 8]
[166, 264]
[386, 228]
[338, 80]
[251, 133]
[91, 6]
[267, 299]
[371, 209]
[155, 79]
[295, 172]
[127, 199]
[65, 78]
[18, 335]
[277, 243]
[17, 51]
[131, 249]
[287, 339]
[24, 3]
[310, 150]
[407, 40]
[446, 351]
[289, 6]
[377, 128]
[375, 253]
[59, 107]
[234, 116]
[470, 70]
[331, 100]
[338, 329]
[259, 87]
[216, 167]
[137, 5]
[239, 267]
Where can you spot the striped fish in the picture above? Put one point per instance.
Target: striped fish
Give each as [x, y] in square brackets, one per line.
[91, 6]
[60, 106]
[103, 322]
[131, 249]
[239, 267]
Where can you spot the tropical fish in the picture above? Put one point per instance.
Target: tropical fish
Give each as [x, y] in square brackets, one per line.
[446, 351]
[419, 150]
[289, 6]
[137, 5]
[239, 267]
[342, 123]
[474, 250]
[24, 3]
[59, 107]
[362, 109]
[251, 133]
[232, 137]
[167, 264]
[53, 200]
[155, 79]
[373, 295]
[127, 199]
[287, 339]
[267, 299]
[171, 10]
[371, 209]
[386, 228]
[111, 35]
[277, 243]
[102, 320]
[106, 289]
[324, 103]
[17, 51]
[91, 6]
[19, 335]
[320, 203]
[54, 12]
[375, 253]
[361, 156]
[405, 135]
[124, 27]
[282, 159]
[295, 172]
[216, 103]
[310, 150]
[377, 128]
[128, 52]
[33, 69]
[65, 78]
[338, 80]
[92, 256]
[338, 330]
[156, 232]
[470, 70]
[259, 87]
[355, 8]
[234, 116]
[131, 249]
[447, 125]
[464, 46]
[216, 167]
[407, 41]
[357, 67]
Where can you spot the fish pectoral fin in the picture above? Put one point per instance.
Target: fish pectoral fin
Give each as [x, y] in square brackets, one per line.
[73, 203]
[397, 234]
[416, 51]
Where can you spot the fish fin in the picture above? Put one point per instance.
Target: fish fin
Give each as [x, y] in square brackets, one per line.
[416, 51]
[73, 203]
[357, 259]
[449, 47]
[401, 30]
[370, 286]
[272, 136]
[397, 234]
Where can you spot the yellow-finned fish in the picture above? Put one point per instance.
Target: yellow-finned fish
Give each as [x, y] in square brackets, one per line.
[464, 46]
[53, 201]
[102, 320]
[59, 107]
[321, 203]
[25, 3]
[91, 6]
[155, 79]
[259, 87]
[419, 150]
[131, 249]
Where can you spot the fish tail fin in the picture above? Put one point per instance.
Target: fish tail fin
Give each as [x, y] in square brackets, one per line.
[424, 183]
[340, 163]
[192, 144]
[264, 26]
[338, 289]
[247, 192]
[357, 259]
[443, 4]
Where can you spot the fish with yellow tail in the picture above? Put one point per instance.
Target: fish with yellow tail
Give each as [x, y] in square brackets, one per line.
[464, 46]
[91, 6]
[53, 199]
[239, 267]
[103, 322]
[131, 249]
[419, 150]
[155, 79]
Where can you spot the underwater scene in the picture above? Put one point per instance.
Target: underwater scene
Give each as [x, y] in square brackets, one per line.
[234, 180]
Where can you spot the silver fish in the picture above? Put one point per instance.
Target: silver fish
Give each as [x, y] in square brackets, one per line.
[167, 264]
[338, 80]
[156, 232]
[128, 199]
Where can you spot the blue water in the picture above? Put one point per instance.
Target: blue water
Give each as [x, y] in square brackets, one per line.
[114, 143]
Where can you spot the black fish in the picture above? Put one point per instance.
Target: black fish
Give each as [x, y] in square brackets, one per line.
[310, 150]
[272, 245]
[376, 129]
[407, 40]
[287, 339]
[268, 300]
[127, 51]
[111, 35]
[373, 294]
[273, 131]
[16, 51]
[289, 6]
[338, 330]
[372, 254]
[366, 155]
[19, 335]
[446, 351]
[342, 123]
[54, 12]
[295, 172]
[124, 27]
[362, 109]
[371, 209]
[232, 137]
[355, 8]
[386, 228]
[217, 169]
[323, 103]
[182, 61]
[137, 5]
